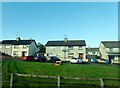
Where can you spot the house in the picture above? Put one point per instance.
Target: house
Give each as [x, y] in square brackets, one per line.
[66, 49]
[110, 50]
[18, 47]
[92, 53]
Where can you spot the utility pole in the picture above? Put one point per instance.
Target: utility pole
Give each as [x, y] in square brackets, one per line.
[65, 43]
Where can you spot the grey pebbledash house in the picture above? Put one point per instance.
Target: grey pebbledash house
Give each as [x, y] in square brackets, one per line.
[18, 47]
[110, 50]
[92, 53]
[66, 49]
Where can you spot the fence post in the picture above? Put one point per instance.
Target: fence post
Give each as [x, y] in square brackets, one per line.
[11, 80]
[101, 83]
[58, 83]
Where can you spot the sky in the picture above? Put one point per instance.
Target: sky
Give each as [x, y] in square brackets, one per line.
[46, 21]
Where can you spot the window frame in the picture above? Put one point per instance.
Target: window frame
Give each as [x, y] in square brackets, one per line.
[80, 48]
[70, 47]
[16, 46]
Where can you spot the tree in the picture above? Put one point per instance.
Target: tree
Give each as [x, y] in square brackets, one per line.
[41, 48]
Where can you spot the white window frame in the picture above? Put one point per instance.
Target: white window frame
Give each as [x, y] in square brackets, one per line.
[24, 46]
[80, 48]
[70, 48]
[7, 46]
[111, 49]
[15, 53]
[16, 46]
[70, 55]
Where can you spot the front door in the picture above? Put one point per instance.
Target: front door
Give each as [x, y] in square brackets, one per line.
[81, 56]
[24, 53]
[111, 57]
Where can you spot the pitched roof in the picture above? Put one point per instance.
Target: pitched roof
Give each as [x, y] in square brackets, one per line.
[68, 43]
[15, 42]
[92, 49]
[111, 44]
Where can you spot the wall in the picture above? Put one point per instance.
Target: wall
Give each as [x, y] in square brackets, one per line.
[114, 50]
[103, 51]
[20, 50]
[58, 51]
[6, 48]
[33, 49]
[55, 51]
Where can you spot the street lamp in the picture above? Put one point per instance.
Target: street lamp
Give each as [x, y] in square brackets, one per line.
[65, 42]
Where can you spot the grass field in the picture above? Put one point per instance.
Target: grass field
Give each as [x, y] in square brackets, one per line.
[66, 69]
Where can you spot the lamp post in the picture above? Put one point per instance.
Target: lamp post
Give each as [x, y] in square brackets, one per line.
[65, 42]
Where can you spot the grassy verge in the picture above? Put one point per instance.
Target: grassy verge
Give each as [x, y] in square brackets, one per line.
[66, 69]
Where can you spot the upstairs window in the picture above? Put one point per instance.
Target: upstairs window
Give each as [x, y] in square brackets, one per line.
[7, 46]
[94, 53]
[16, 46]
[87, 52]
[24, 46]
[80, 48]
[110, 49]
[70, 48]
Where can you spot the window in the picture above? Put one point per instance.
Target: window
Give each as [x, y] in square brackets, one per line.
[118, 49]
[110, 49]
[94, 53]
[7, 46]
[70, 55]
[16, 46]
[70, 47]
[15, 53]
[80, 48]
[24, 46]
[87, 52]
[58, 47]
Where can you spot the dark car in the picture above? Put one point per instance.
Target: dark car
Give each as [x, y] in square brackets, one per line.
[54, 59]
[41, 58]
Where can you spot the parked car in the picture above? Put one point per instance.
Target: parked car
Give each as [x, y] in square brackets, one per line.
[85, 60]
[101, 61]
[41, 58]
[94, 60]
[54, 59]
[28, 58]
[76, 60]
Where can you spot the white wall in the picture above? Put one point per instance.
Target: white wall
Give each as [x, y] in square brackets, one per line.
[103, 51]
[20, 50]
[114, 50]
[33, 49]
[58, 51]
[6, 48]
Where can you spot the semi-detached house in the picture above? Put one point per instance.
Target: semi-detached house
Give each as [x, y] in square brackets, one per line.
[18, 47]
[110, 50]
[66, 49]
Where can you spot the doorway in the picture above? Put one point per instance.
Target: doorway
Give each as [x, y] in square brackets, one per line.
[24, 53]
[111, 57]
[81, 55]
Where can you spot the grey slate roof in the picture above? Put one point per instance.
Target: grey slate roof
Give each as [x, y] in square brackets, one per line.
[68, 43]
[111, 44]
[15, 42]
[92, 49]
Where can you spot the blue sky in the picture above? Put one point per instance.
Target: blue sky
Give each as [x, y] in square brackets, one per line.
[44, 21]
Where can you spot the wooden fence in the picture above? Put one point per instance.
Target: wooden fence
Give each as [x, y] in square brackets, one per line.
[101, 80]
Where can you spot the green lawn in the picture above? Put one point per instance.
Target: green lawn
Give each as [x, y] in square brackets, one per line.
[66, 69]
